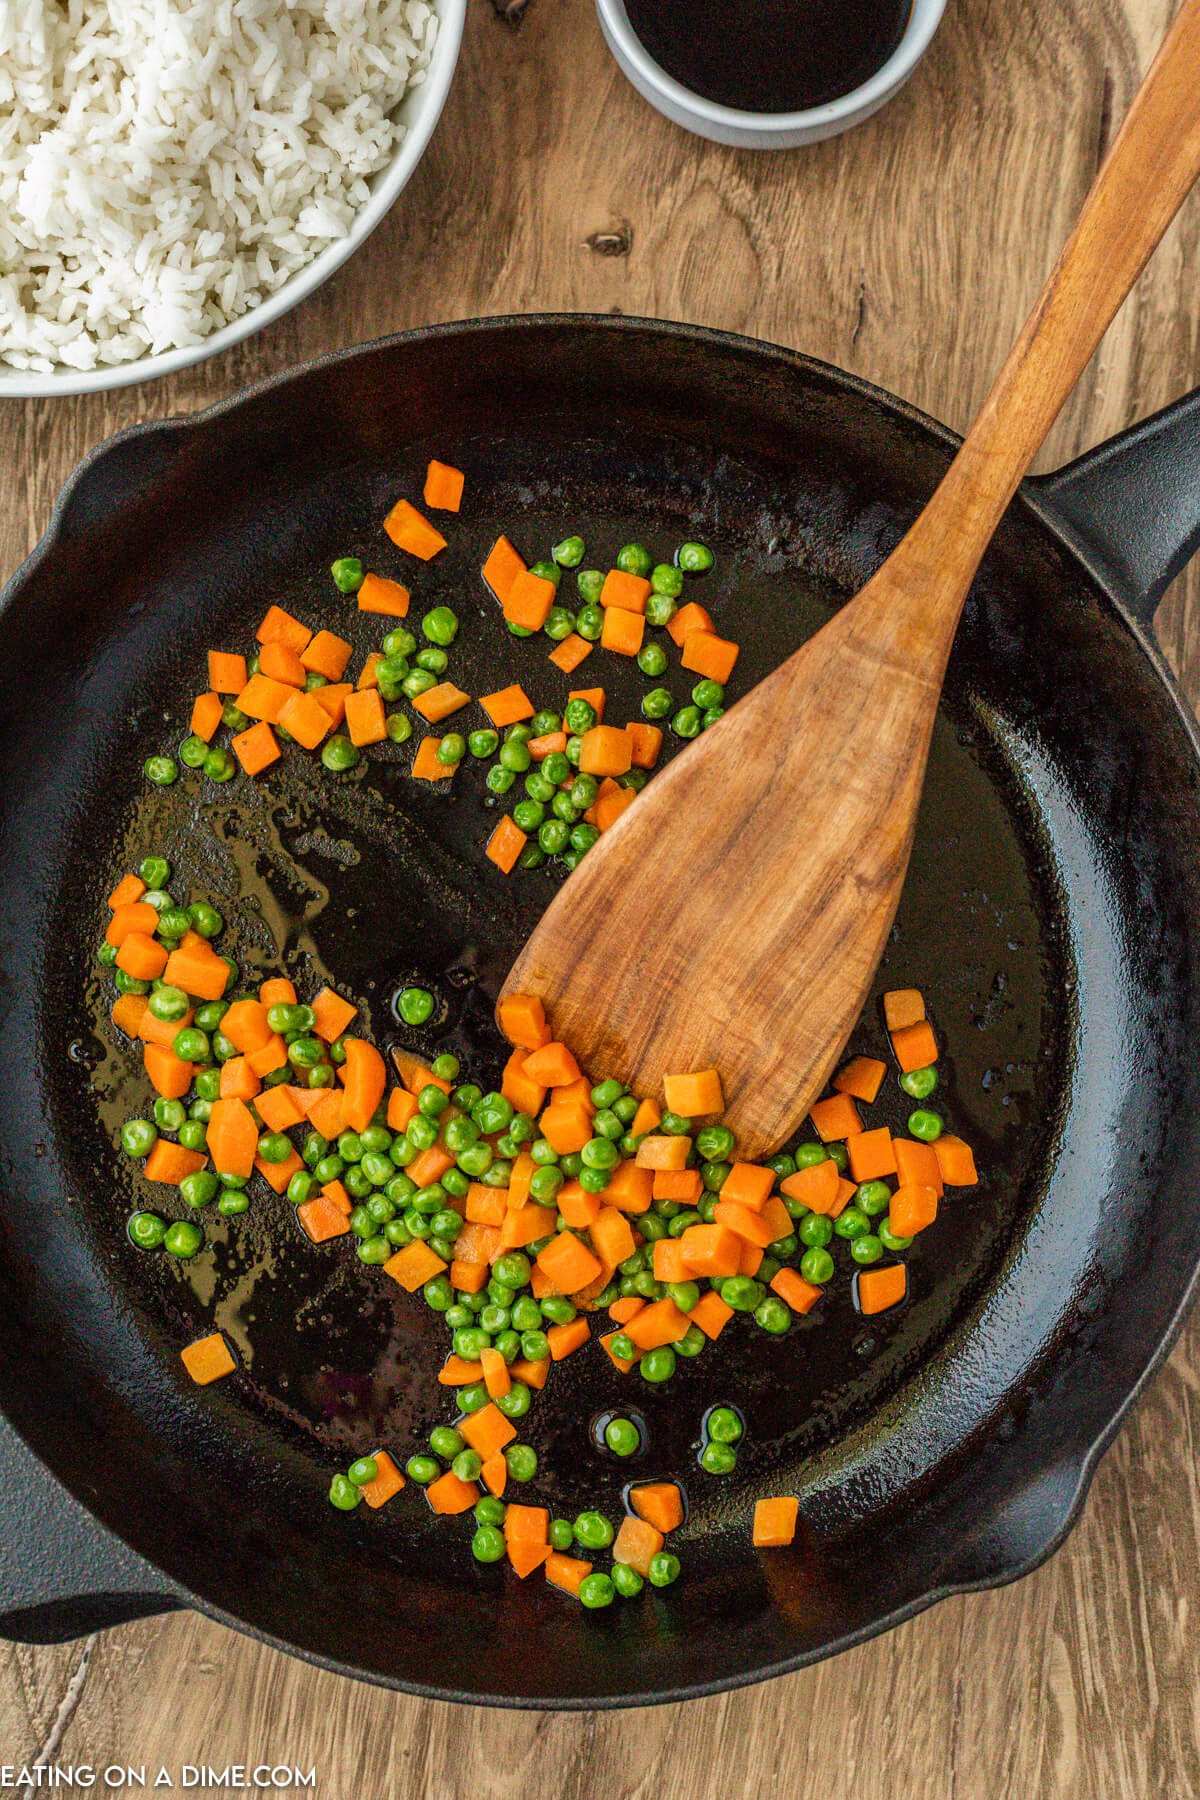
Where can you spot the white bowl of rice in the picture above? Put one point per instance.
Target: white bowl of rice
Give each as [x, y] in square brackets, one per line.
[175, 174]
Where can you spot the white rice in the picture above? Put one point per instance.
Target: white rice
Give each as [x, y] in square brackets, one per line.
[166, 164]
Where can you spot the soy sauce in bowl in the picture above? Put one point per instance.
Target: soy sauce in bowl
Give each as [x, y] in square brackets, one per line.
[770, 56]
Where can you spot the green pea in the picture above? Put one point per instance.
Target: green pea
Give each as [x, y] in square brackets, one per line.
[817, 1266]
[539, 787]
[657, 703]
[274, 1147]
[715, 1143]
[597, 1590]
[183, 1239]
[692, 1343]
[399, 728]
[528, 814]
[626, 1580]
[773, 1315]
[155, 871]
[814, 1231]
[925, 1125]
[867, 1249]
[415, 1005]
[488, 1545]
[452, 749]
[666, 579]
[593, 1531]
[399, 642]
[232, 1201]
[199, 1188]
[440, 626]
[205, 919]
[569, 552]
[589, 622]
[363, 1471]
[169, 1115]
[660, 609]
[873, 1198]
[687, 722]
[488, 1510]
[694, 559]
[467, 1465]
[560, 623]
[658, 1365]
[742, 1292]
[851, 1223]
[483, 743]
[516, 1403]
[652, 659]
[515, 758]
[590, 583]
[338, 754]
[138, 1137]
[634, 559]
[220, 766]
[580, 716]
[422, 1470]
[343, 1494]
[348, 573]
[161, 770]
[622, 1437]
[838, 1156]
[724, 1426]
[192, 752]
[919, 1084]
[522, 1461]
[146, 1230]
[558, 1309]
[718, 1459]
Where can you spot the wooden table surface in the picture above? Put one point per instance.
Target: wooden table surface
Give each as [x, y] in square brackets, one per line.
[907, 252]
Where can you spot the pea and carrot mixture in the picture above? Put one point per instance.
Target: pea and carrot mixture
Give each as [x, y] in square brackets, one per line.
[558, 1214]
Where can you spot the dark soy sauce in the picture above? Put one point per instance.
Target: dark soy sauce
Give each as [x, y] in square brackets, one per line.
[769, 56]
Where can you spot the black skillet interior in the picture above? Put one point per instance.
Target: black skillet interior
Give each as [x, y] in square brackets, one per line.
[1050, 916]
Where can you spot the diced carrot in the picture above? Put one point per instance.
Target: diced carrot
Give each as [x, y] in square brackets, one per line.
[507, 706]
[378, 594]
[257, 748]
[622, 631]
[625, 590]
[426, 766]
[524, 1558]
[689, 618]
[232, 1137]
[130, 918]
[669, 1262]
[245, 1025]
[170, 1163]
[414, 1074]
[410, 530]
[878, 1289]
[663, 1152]
[238, 1080]
[681, 1185]
[270, 1056]
[709, 656]
[660, 1323]
[775, 1521]
[450, 1495]
[711, 1250]
[550, 743]
[327, 1114]
[552, 1065]
[322, 1220]
[751, 1227]
[366, 721]
[437, 703]
[501, 569]
[226, 672]
[430, 1165]
[386, 1482]
[198, 970]
[748, 1184]
[567, 1572]
[647, 1117]
[332, 699]
[522, 1019]
[533, 1374]
[475, 1243]
[609, 807]
[518, 1086]
[568, 655]
[332, 1014]
[306, 719]
[485, 1205]
[443, 486]
[279, 627]
[364, 1074]
[800, 1295]
[413, 1266]
[160, 1031]
[168, 1075]
[281, 663]
[578, 1208]
[711, 1313]
[494, 1475]
[262, 698]
[749, 1259]
[903, 1007]
[564, 1339]
[612, 1236]
[625, 1308]
[128, 1012]
[912, 1209]
[506, 844]
[576, 1093]
[635, 1543]
[526, 1524]
[277, 990]
[861, 1078]
[519, 1181]
[335, 1193]
[917, 1165]
[629, 1188]
[814, 1186]
[457, 1371]
[871, 1154]
[624, 1364]
[487, 1430]
[369, 674]
[660, 1503]
[327, 655]
[694, 1094]
[127, 892]
[568, 1262]
[208, 1359]
[645, 744]
[402, 1106]
[529, 600]
[142, 957]
[956, 1160]
[776, 1217]
[915, 1047]
[206, 715]
[496, 1378]
[837, 1117]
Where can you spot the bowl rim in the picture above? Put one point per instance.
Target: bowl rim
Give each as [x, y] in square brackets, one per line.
[923, 20]
[425, 101]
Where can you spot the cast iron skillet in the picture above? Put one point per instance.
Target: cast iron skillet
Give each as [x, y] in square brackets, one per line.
[1052, 916]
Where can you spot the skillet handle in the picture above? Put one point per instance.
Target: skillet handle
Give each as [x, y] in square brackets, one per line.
[1132, 507]
[989, 1549]
[62, 1573]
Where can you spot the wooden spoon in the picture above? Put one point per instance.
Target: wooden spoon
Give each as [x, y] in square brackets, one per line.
[734, 917]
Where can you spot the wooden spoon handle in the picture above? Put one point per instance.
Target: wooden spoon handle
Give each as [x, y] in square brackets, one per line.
[1146, 176]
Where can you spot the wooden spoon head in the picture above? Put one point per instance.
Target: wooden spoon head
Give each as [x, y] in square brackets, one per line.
[734, 917]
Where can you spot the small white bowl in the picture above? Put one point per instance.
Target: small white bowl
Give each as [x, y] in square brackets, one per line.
[420, 109]
[766, 131]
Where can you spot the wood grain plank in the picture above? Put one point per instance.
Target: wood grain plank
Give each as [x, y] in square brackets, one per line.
[907, 252]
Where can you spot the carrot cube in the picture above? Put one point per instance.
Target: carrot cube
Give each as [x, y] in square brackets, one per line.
[507, 706]
[467, 1277]
[208, 1359]
[257, 748]
[443, 486]
[426, 766]
[401, 1107]
[567, 1572]
[956, 1160]
[410, 530]
[815, 1186]
[129, 916]
[519, 1088]
[281, 663]
[630, 1189]
[450, 1495]
[775, 1521]
[522, 1019]
[327, 655]
[238, 1080]
[635, 1543]
[684, 1186]
[630, 592]
[669, 1262]
[835, 1118]
[661, 1322]
[751, 1227]
[912, 1210]
[565, 1128]
[501, 569]
[800, 1295]
[861, 1078]
[609, 807]
[548, 744]
[711, 1250]
[552, 1065]
[711, 1314]
[378, 594]
[655, 1152]
[332, 698]
[487, 1430]
[708, 655]
[365, 719]
[689, 618]
[568, 1262]
[660, 1503]
[645, 744]
[369, 677]
[605, 750]
[529, 600]
[437, 703]
[622, 631]
[142, 956]
[279, 627]
[322, 1219]
[917, 1165]
[306, 719]
[903, 1007]
[262, 698]
[568, 655]
[206, 715]
[226, 672]
[748, 1185]
[524, 1558]
[694, 1094]
[171, 1163]
[413, 1266]
[277, 1175]
[915, 1047]
[387, 1481]
[871, 1154]
[879, 1289]
[168, 1075]
[496, 1378]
